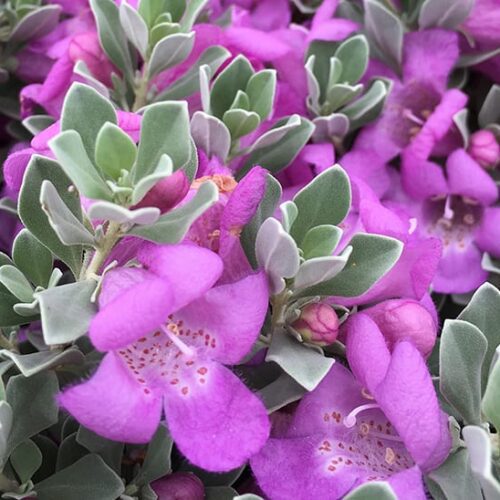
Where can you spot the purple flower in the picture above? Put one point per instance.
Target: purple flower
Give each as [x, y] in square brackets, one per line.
[419, 110]
[383, 422]
[459, 210]
[179, 486]
[167, 332]
[318, 324]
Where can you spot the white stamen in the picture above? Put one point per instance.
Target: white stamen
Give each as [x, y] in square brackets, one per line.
[350, 420]
[178, 342]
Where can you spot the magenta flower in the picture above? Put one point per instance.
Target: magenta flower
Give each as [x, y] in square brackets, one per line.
[419, 109]
[459, 210]
[383, 422]
[167, 332]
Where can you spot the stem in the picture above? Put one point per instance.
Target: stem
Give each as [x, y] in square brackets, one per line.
[5, 343]
[112, 236]
[279, 303]
[141, 91]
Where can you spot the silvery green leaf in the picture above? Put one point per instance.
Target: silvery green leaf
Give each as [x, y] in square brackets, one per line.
[111, 35]
[115, 151]
[36, 24]
[491, 402]
[212, 57]
[30, 364]
[220, 493]
[240, 122]
[33, 402]
[211, 135]
[274, 135]
[325, 200]
[27, 310]
[85, 111]
[87, 478]
[461, 356]
[152, 10]
[104, 210]
[83, 70]
[321, 241]
[173, 226]
[467, 60]
[164, 130]
[32, 215]
[170, 51]
[248, 496]
[479, 445]
[483, 311]
[134, 27]
[372, 257]
[444, 13]
[241, 101]
[353, 54]
[490, 110]
[266, 209]
[289, 213]
[460, 120]
[8, 205]
[62, 220]
[110, 451]
[454, 479]
[281, 153]
[312, 85]
[233, 78]
[193, 8]
[60, 306]
[319, 269]
[6, 419]
[157, 460]
[277, 254]
[32, 258]
[306, 366]
[386, 30]
[261, 89]
[54, 277]
[69, 150]
[163, 169]
[341, 94]
[36, 123]
[281, 392]
[205, 75]
[8, 316]
[329, 127]
[15, 281]
[374, 490]
[367, 107]
[26, 459]
[335, 72]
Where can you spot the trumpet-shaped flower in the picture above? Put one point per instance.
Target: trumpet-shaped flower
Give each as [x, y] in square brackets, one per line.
[167, 333]
[382, 422]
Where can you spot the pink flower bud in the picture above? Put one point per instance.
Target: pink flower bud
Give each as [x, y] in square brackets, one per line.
[318, 324]
[179, 486]
[484, 148]
[405, 320]
[167, 193]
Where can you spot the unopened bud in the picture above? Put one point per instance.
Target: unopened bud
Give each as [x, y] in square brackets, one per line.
[484, 148]
[405, 320]
[179, 486]
[318, 324]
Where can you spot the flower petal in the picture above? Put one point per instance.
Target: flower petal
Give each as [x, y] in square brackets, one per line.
[112, 405]
[467, 178]
[230, 316]
[217, 425]
[134, 303]
[487, 235]
[190, 269]
[408, 399]
[408, 484]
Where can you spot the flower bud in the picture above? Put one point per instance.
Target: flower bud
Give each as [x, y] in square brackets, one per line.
[167, 193]
[484, 148]
[318, 324]
[179, 486]
[405, 320]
